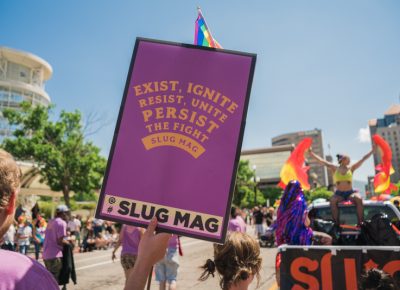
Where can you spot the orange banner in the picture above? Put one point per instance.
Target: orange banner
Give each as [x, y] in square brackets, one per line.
[176, 140]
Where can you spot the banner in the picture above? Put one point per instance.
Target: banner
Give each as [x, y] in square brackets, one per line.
[318, 267]
[178, 137]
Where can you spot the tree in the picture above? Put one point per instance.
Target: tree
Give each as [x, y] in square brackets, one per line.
[245, 186]
[272, 193]
[63, 158]
[319, 192]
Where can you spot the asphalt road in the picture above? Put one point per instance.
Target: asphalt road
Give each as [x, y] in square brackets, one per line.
[96, 271]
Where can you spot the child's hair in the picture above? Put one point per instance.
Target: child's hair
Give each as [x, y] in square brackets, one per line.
[10, 177]
[235, 260]
[377, 279]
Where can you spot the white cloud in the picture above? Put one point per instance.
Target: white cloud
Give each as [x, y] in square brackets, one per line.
[363, 135]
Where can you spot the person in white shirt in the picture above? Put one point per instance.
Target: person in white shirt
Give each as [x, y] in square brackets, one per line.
[74, 226]
[24, 235]
[8, 242]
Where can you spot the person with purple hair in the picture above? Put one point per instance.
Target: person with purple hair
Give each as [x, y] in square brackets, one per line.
[292, 226]
[291, 223]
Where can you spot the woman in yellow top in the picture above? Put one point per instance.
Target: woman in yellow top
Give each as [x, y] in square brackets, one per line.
[343, 178]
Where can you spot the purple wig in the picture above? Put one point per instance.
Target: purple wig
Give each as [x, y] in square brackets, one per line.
[290, 227]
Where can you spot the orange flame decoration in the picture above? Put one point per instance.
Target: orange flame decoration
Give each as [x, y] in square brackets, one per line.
[294, 168]
[385, 169]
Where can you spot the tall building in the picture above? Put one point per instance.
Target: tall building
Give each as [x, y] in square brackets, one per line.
[329, 173]
[22, 78]
[317, 172]
[389, 128]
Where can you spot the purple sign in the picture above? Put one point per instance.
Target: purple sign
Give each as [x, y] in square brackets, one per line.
[178, 138]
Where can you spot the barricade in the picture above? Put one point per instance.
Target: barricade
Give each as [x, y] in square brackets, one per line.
[333, 267]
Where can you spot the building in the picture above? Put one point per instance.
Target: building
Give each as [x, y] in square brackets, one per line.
[22, 78]
[389, 128]
[317, 172]
[329, 173]
[267, 163]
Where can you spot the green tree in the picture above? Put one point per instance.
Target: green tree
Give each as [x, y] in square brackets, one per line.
[272, 193]
[245, 186]
[63, 158]
[319, 192]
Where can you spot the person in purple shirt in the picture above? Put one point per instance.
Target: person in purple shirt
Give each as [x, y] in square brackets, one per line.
[129, 238]
[55, 238]
[17, 272]
[236, 222]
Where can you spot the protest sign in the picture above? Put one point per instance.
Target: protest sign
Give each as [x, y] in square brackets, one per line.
[178, 138]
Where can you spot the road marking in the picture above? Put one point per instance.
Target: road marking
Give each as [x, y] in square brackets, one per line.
[95, 265]
[274, 287]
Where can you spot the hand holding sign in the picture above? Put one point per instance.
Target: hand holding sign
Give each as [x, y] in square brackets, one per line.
[152, 248]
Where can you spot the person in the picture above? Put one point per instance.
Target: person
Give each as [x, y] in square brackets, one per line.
[237, 261]
[39, 228]
[55, 238]
[375, 279]
[167, 269]
[241, 219]
[292, 225]
[24, 234]
[8, 241]
[89, 243]
[236, 223]
[129, 238]
[343, 178]
[152, 249]
[258, 221]
[269, 216]
[74, 225]
[17, 271]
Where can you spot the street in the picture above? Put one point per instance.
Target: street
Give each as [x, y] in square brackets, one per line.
[95, 270]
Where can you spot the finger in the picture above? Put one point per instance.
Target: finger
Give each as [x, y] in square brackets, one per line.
[151, 227]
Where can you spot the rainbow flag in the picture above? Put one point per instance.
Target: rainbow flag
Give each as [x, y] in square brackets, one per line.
[202, 35]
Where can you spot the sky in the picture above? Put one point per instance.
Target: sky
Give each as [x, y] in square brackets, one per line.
[331, 65]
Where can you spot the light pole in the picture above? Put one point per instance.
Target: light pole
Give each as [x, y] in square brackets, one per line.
[256, 179]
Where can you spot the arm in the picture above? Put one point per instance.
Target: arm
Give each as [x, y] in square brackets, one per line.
[62, 233]
[152, 248]
[360, 162]
[322, 161]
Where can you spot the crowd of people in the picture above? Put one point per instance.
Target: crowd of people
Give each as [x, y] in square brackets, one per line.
[27, 234]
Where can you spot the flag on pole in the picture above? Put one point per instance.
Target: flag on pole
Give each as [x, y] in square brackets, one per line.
[203, 34]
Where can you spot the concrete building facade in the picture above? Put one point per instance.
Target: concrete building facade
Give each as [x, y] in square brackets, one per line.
[317, 172]
[22, 78]
[389, 128]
